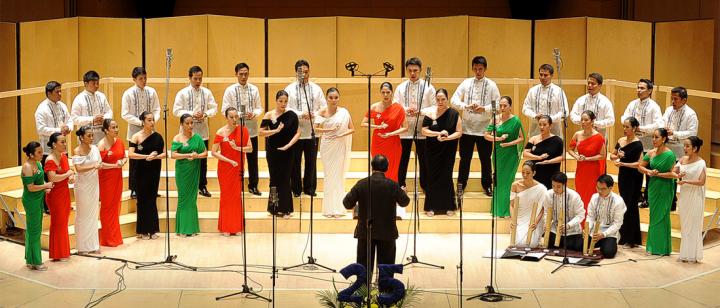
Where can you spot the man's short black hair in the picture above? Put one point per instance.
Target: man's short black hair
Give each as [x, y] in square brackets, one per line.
[379, 163]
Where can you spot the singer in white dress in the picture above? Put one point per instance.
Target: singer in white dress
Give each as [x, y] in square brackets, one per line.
[335, 125]
[529, 191]
[691, 203]
[87, 161]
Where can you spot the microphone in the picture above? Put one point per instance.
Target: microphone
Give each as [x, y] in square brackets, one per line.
[494, 106]
[388, 68]
[556, 55]
[273, 194]
[460, 189]
[428, 73]
[351, 66]
[242, 111]
[299, 74]
[169, 55]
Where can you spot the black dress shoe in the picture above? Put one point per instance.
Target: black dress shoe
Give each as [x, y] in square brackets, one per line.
[254, 191]
[311, 194]
[296, 194]
[204, 192]
[133, 195]
[488, 192]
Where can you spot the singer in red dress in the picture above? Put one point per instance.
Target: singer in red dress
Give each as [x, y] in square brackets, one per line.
[388, 123]
[229, 147]
[112, 152]
[58, 171]
[588, 147]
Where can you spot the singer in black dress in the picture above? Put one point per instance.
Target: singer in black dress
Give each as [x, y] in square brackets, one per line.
[546, 150]
[442, 127]
[280, 127]
[628, 151]
[147, 149]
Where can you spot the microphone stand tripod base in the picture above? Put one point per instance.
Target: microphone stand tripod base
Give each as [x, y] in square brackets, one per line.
[311, 264]
[169, 260]
[414, 260]
[492, 297]
[249, 293]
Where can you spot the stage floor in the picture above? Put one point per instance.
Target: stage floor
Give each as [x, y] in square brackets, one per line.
[625, 283]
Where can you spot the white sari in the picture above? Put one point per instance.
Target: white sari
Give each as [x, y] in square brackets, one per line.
[87, 195]
[335, 155]
[535, 194]
[691, 207]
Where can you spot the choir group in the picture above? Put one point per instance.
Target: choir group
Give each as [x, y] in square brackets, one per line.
[662, 147]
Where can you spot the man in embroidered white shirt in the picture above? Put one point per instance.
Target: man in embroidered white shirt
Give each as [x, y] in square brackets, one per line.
[474, 97]
[52, 116]
[548, 99]
[136, 100]
[91, 107]
[414, 94]
[646, 111]
[574, 215]
[300, 97]
[607, 209]
[681, 121]
[595, 102]
[245, 96]
[199, 102]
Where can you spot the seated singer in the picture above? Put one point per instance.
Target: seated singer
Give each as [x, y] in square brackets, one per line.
[608, 209]
[385, 194]
[573, 215]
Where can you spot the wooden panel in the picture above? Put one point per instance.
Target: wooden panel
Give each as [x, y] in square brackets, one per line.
[187, 36]
[569, 35]
[620, 50]
[232, 40]
[506, 43]
[368, 42]
[441, 43]
[112, 47]
[312, 39]
[8, 106]
[684, 53]
[48, 51]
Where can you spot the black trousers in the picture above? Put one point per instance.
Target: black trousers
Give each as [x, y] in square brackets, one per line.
[484, 148]
[383, 250]
[304, 147]
[608, 246]
[574, 242]
[203, 170]
[252, 161]
[405, 159]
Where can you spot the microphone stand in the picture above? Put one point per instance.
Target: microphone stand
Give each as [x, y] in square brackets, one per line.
[274, 201]
[413, 259]
[490, 294]
[565, 261]
[169, 258]
[352, 67]
[460, 193]
[311, 263]
[247, 290]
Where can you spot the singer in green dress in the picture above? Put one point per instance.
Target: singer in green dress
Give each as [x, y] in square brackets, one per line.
[658, 164]
[187, 148]
[509, 140]
[34, 186]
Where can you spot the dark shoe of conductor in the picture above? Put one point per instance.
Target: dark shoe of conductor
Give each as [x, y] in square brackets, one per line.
[254, 191]
[204, 192]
